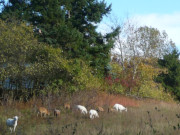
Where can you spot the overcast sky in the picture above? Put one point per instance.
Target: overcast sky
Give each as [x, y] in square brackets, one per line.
[161, 14]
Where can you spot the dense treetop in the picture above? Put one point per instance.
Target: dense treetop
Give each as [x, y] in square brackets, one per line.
[69, 25]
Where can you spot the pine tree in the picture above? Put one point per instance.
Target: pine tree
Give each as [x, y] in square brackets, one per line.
[70, 25]
[14, 9]
[171, 78]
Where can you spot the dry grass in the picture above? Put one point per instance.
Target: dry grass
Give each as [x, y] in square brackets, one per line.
[146, 117]
[104, 99]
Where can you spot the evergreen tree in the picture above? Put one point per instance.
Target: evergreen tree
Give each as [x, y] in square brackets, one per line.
[70, 25]
[171, 78]
[14, 9]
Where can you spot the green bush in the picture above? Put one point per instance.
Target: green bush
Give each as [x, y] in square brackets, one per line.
[155, 91]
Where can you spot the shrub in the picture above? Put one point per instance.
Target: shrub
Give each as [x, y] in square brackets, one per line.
[155, 91]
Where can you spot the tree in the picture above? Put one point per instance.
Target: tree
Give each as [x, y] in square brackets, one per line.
[153, 43]
[17, 11]
[16, 39]
[143, 41]
[170, 78]
[28, 64]
[137, 45]
[69, 25]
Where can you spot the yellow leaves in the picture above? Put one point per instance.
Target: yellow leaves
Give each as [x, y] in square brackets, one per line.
[14, 38]
[148, 71]
[84, 78]
[154, 91]
[116, 68]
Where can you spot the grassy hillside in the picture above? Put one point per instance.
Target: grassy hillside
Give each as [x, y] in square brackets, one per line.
[144, 117]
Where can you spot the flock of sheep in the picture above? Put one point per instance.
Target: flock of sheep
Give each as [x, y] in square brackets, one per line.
[12, 123]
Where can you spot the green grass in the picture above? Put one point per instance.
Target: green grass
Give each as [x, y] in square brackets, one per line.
[149, 118]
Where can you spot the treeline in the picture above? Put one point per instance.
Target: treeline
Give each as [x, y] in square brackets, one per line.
[53, 46]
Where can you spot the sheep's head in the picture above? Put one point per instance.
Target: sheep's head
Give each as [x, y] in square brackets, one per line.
[15, 117]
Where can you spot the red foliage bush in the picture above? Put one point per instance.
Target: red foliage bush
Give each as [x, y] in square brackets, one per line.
[128, 82]
[112, 80]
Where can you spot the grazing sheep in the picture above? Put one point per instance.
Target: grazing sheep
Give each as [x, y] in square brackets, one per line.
[100, 109]
[93, 114]
[12, 123]
[82, 109]
[57, 112]
[119, 107]
[67, 106]
[111, 110]
[43, 111]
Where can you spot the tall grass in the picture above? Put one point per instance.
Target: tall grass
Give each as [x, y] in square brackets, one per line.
[146, 117]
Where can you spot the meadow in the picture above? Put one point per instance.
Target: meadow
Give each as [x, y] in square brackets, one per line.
[144, 117]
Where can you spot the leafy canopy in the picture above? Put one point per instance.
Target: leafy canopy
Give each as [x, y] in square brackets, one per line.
[69, 25]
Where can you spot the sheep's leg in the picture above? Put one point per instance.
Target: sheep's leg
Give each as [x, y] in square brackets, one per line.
[14, 128]
[11, 129]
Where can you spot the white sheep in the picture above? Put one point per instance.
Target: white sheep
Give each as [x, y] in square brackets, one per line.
[12, 123]
[119, 107]
[82, 109]
[93, 114]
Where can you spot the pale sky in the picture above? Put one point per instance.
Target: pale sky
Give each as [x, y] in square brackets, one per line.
[160, 14]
